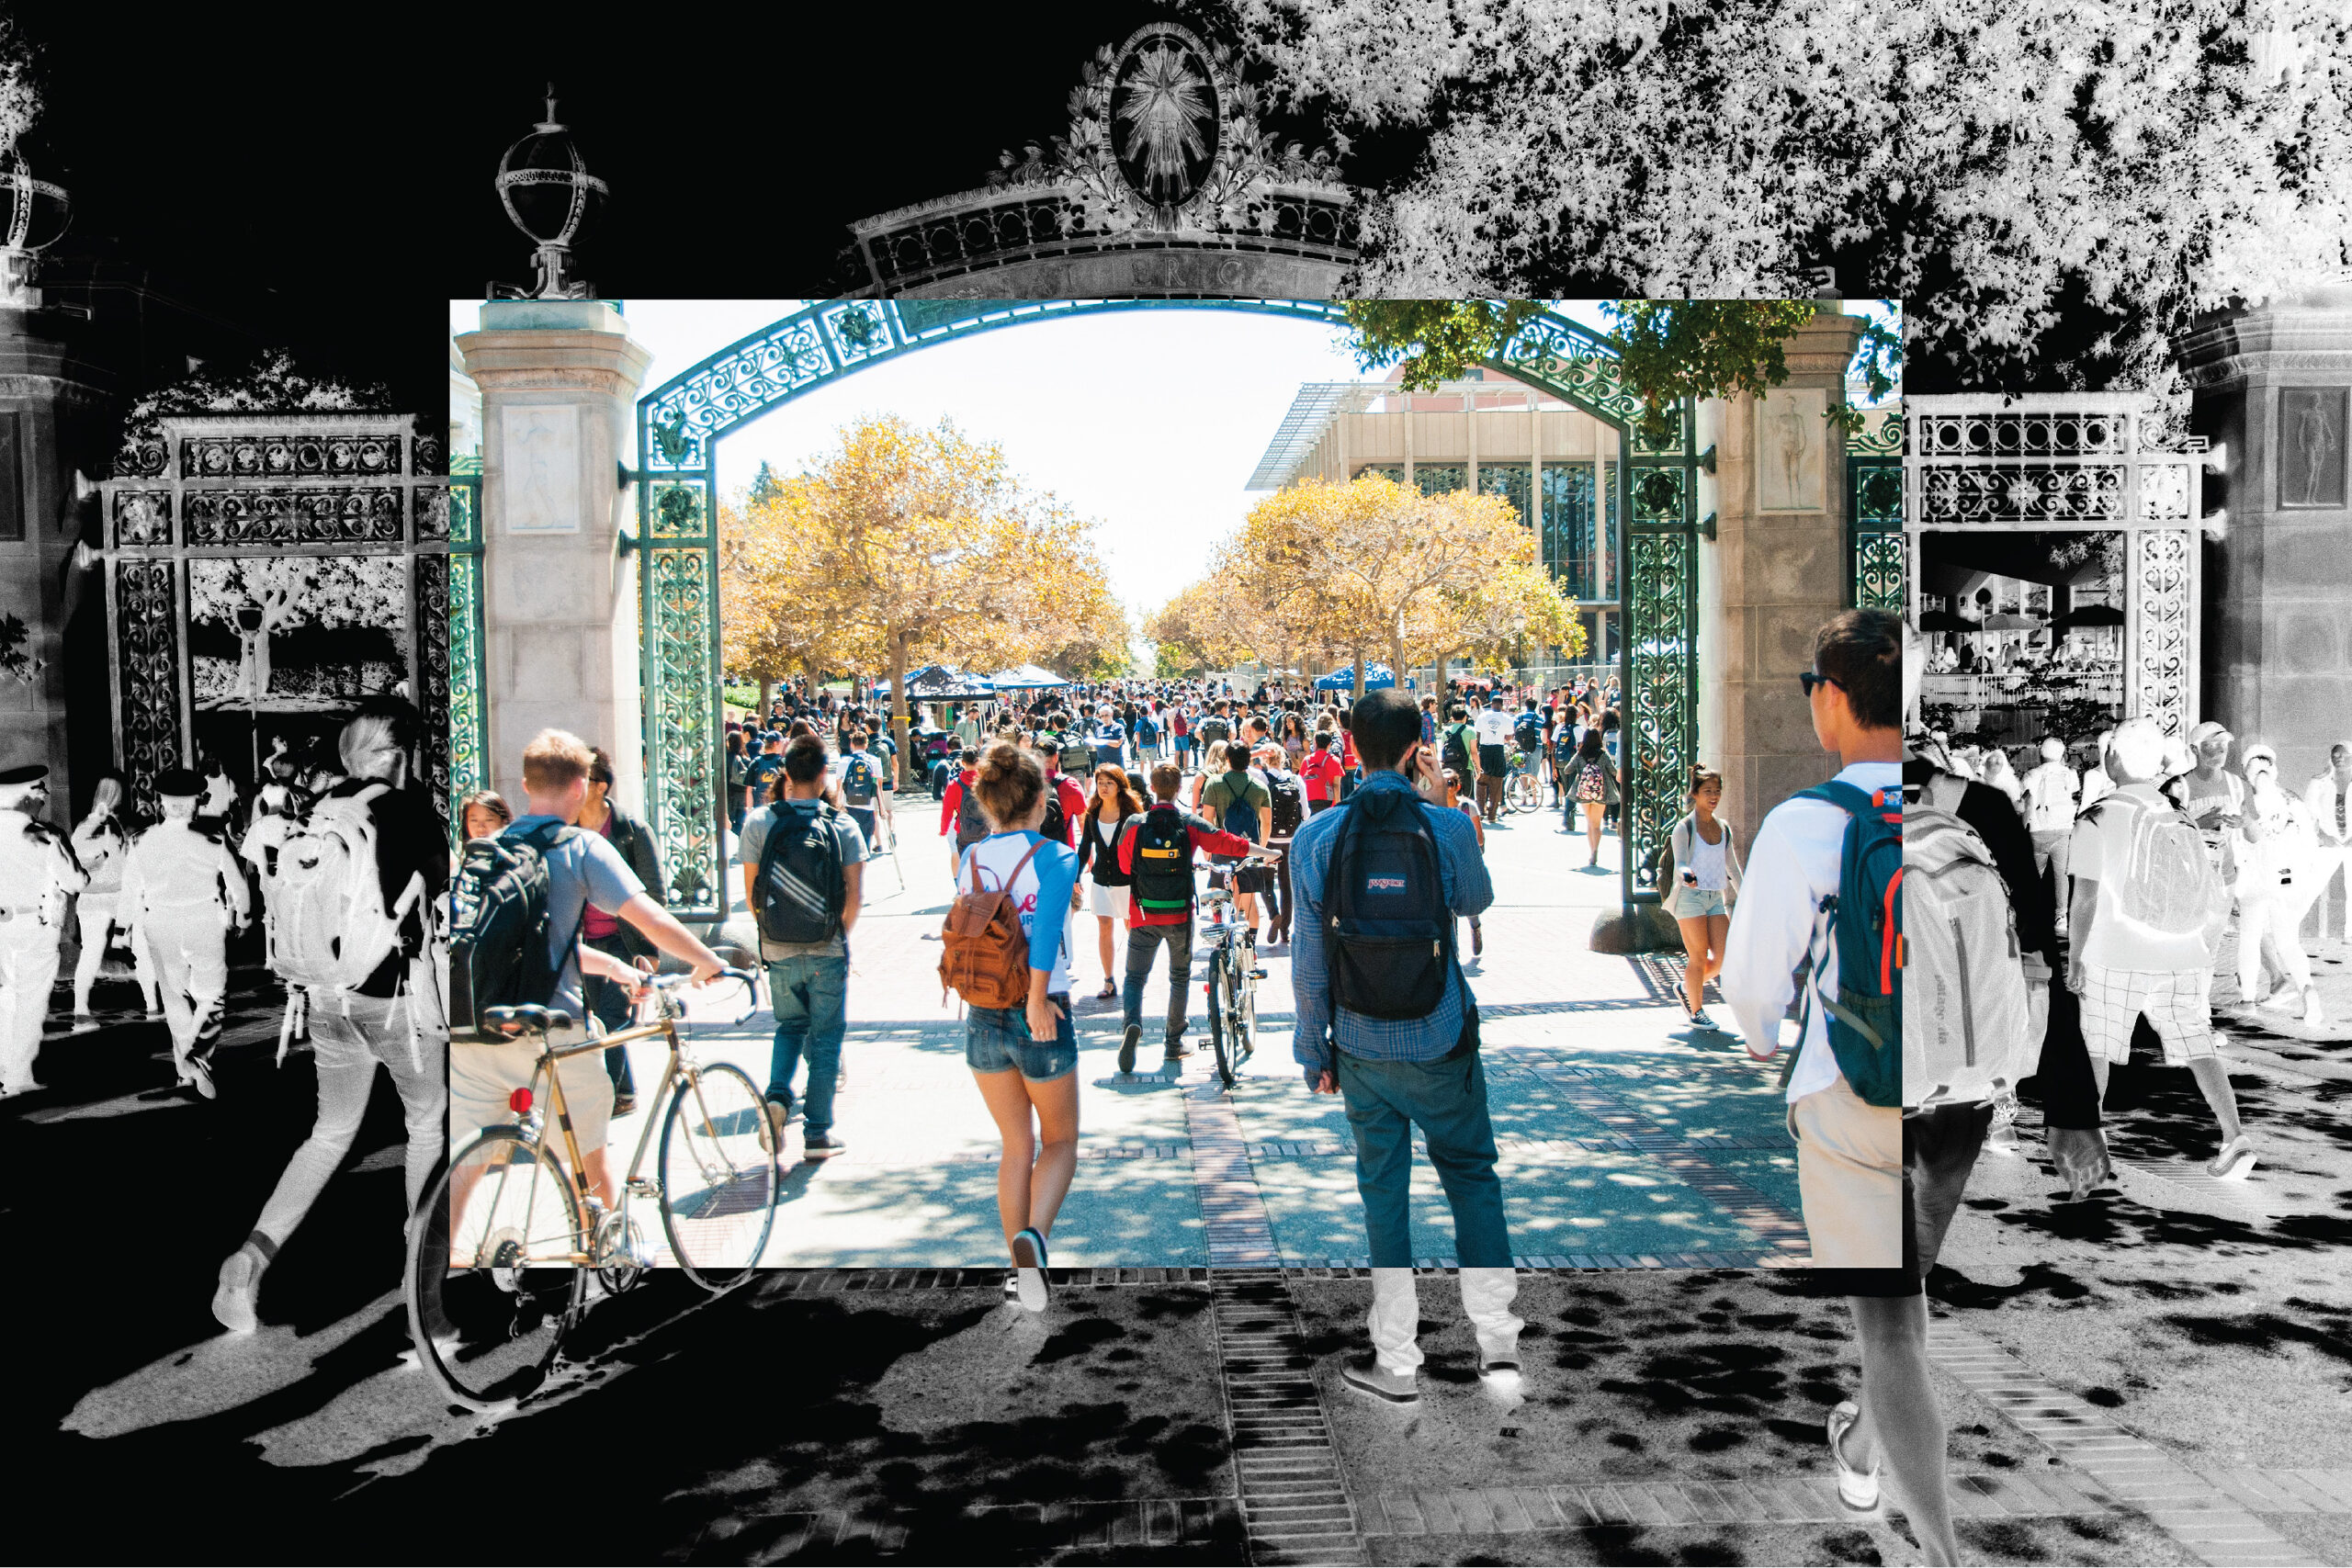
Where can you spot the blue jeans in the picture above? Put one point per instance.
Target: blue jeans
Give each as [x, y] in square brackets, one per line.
[811, 996]
[1386, 1100]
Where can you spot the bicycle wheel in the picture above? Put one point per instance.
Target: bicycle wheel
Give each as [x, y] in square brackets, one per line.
[493, 1269]
[1220, 983]
[1525, 792]
[719, 1153]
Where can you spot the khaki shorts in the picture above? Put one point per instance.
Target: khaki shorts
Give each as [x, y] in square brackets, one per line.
[1850, 1178]
[483, 1076]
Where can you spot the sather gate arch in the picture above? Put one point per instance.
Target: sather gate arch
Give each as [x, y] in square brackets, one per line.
[681, 422]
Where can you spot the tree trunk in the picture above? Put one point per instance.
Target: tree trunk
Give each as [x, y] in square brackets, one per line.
[1358, 651]
[1397, 653]
[768, 700]
[899, 710]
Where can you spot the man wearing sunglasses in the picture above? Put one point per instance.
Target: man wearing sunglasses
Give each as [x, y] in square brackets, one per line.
[1850, 1154]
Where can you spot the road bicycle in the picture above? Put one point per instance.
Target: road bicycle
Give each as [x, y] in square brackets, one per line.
[501, 1245]
[1523, 791]
[1234, 973]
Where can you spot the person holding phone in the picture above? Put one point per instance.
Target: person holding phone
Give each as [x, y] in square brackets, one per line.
[1705, 882]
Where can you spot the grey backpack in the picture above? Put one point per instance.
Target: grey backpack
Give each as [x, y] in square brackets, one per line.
[1964, 1031]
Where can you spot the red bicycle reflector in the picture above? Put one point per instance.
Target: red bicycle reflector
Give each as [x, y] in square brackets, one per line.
[519, 1102]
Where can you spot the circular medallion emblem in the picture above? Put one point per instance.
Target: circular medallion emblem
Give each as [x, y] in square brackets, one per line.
[1164, 114]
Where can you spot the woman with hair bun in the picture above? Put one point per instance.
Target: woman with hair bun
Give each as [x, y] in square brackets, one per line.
[1706, 880]
[1026, 1059]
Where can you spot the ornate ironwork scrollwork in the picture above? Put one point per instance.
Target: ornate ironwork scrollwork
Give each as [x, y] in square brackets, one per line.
[2031, 433]
[147, 618]
[2018, 492]
[143, 517]
[468, 715]
[433, 684]
[683, 624]
[230, 517]
[287, 457]
[1881, 578]
[1660, 729]
[2163, 587]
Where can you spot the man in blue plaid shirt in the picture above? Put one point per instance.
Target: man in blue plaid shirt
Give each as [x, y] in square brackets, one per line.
[1396, 1074]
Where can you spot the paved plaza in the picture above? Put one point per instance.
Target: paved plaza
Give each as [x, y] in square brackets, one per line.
[1627, 1139]
[2154, 1375]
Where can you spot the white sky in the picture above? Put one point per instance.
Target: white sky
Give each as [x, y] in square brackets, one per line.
[1149, 423]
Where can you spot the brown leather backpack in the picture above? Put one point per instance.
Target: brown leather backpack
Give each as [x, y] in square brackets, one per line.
[985, 953]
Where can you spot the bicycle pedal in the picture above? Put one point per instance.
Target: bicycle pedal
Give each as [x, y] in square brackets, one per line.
[1257, 973]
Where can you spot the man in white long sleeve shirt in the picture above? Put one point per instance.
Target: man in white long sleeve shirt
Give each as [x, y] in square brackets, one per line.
[1851, 1166]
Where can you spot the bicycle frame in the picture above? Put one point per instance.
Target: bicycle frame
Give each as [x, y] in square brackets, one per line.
[680, 1075]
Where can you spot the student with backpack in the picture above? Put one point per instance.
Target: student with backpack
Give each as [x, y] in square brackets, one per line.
[352, 894]
[1156, 852]
[182, 893]
[518, 904]
[804, 868]
[2148, 912]
[1113, 805]
[1385, 1020]
[1286, 795]
[960, 809]
[863, 777]
[1823, 872]
[1590, 782]
[1237, 800]
[1003, 951]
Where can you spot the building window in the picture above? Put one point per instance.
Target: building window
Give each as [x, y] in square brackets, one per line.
[1569, 543]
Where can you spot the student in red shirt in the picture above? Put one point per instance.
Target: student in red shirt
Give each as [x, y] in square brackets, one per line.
[1321, 772]
[960, 809]
[1169, 923]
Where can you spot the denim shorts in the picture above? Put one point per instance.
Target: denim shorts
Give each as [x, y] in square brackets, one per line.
[996, 1040]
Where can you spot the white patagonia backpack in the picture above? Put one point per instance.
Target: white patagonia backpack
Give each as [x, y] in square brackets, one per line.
[328, 927]
[1964, 1018]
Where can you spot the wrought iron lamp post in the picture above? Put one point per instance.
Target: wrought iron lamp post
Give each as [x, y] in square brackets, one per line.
[548, 193]
[33, 215]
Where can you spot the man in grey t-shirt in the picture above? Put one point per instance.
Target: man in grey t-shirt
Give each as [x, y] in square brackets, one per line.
[807, 981]
[583, 868]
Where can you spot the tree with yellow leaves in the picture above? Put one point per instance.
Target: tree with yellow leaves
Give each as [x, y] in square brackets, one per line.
[903, 544]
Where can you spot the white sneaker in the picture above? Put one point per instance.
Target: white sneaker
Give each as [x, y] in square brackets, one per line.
[1857, 1490]
[2286, 998]
[2312, 1016]
[233, 1303]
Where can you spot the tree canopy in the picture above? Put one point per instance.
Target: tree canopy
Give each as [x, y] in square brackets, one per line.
[2055, 190]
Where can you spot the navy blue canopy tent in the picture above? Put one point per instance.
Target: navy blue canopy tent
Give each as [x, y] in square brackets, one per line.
[1378, 676]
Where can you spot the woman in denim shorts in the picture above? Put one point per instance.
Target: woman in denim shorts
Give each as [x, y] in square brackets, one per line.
[1026, 1059]
[1706, 880]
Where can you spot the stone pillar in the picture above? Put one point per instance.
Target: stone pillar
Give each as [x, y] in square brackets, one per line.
[1775, 570]
[60, 716]
[2274, 389]
[559, 381]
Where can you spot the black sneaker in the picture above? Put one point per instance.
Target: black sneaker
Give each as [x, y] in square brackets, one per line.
[624, 1105]
[1127, 1043]
[1178, 1050]
[821, 1145]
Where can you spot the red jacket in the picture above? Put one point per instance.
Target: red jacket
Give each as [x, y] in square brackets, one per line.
[1204, 837]
[954, 798]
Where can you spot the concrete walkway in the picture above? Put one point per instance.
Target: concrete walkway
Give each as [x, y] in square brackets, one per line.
[1623, 1135]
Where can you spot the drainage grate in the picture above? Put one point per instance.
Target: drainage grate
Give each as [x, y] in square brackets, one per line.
[1294, 1503]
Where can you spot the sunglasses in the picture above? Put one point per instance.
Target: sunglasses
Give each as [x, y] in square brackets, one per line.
[1811, 679]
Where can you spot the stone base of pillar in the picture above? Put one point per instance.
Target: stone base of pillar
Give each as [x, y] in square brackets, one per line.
[1647, 929]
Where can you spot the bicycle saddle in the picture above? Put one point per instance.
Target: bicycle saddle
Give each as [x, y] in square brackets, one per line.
[530, 1015]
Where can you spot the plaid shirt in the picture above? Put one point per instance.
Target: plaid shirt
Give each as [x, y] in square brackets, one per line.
[1467, 892]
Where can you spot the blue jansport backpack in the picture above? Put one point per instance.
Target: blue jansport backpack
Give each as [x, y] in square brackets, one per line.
[858, 781]
[1866, 922]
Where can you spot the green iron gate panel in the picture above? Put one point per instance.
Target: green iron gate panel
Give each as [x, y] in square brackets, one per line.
[1657, 652]
[681, 422]
[468, 709]
[1876, 566]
